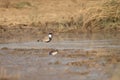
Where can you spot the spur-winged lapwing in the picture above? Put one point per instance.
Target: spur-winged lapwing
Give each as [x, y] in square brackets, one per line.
[47, 38]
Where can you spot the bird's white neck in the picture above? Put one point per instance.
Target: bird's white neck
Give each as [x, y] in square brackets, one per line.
[50, 36]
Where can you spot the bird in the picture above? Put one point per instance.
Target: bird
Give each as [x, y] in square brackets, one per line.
[47, 38]
[53, 52]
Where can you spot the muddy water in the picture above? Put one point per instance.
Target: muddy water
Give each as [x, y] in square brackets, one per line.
[70, 41]
[80, 57]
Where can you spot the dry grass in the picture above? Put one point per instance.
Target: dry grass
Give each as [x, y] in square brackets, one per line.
[5, 3]
[5, 76]
[63, 15]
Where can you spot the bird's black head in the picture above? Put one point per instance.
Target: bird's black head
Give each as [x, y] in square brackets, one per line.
[50, 33]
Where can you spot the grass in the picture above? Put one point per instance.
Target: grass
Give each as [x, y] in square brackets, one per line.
[62, 16]
[21, 5]
[10, 4]
[5, 3]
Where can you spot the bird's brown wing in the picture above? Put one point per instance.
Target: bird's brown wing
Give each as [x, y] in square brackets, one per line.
[45, 39]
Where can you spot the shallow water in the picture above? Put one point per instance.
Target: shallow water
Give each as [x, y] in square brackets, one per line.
[71, 41]
[80, 57]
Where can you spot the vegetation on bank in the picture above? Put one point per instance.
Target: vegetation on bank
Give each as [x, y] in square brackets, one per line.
[93, 16]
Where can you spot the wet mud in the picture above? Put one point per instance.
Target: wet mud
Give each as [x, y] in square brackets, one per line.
[67, 64]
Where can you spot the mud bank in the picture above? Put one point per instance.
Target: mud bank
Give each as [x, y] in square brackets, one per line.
[25, 33]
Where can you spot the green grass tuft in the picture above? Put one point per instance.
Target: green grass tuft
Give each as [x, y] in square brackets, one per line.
[22, 5]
